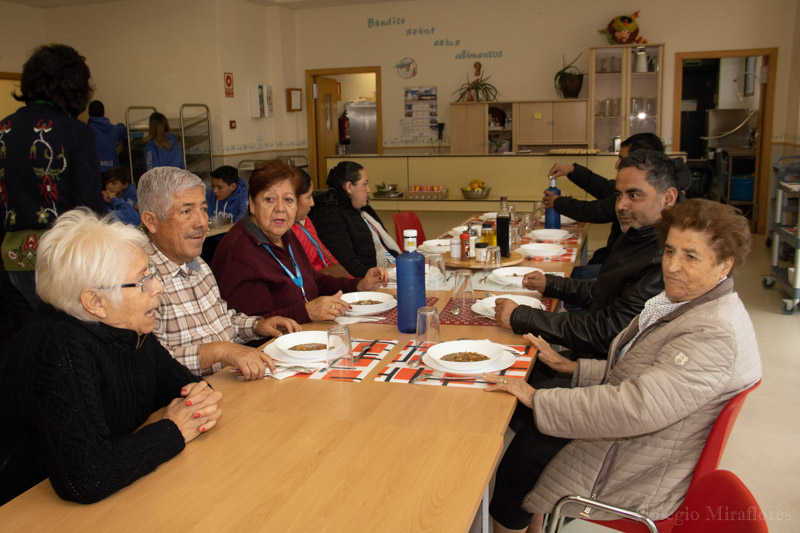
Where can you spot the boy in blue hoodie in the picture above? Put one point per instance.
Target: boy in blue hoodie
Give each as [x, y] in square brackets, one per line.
[106, 135]
[121, 195]
[227, 196]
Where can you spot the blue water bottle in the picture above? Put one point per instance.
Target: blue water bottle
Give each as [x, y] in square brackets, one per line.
[552, 220]
[410, 283]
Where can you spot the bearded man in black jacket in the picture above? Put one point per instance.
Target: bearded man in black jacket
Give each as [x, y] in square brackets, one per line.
[647, 183]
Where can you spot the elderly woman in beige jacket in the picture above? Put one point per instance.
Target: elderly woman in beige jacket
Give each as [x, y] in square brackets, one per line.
[631, 429]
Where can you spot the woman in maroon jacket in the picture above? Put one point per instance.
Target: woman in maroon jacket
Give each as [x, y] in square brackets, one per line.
[260, 265]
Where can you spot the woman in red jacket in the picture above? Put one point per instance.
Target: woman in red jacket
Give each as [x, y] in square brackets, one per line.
[260, 265]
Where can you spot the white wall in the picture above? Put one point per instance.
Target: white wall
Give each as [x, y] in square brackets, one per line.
[168, 52]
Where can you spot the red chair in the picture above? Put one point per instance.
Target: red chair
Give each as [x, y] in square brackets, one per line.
[407, 220]
[708, 462]
[717, 503]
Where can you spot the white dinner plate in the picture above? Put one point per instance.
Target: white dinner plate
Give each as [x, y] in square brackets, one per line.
[433, 249]
[511, 275]
[505, 360]
[486, 306]
[549, 234]
[428, 276]
[276, 353]
[458, 230]
[542, 249]
[488, 216]
[387, 300]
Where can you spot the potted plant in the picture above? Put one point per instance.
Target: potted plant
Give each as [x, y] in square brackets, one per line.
[569, 79]
[477, 90]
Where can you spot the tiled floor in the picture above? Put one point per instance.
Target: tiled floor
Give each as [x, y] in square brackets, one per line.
[763, 448]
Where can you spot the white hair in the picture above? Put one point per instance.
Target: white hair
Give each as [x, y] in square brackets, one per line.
[157, 187]
[83, 251]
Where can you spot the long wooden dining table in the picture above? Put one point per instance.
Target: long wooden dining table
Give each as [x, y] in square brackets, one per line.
[315, 455]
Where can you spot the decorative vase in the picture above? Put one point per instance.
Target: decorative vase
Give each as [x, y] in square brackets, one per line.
[570, 84]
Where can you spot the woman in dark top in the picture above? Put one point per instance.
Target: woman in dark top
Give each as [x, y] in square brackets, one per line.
[48, 159]
[348, 226]
[78, 383]
[261, 267]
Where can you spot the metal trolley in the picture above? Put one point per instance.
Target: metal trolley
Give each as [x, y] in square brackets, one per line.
[786, 231]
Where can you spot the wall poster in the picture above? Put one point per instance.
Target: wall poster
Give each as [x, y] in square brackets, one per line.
[421, 110]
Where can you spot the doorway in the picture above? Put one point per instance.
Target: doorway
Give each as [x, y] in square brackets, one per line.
[9, 83]
[323, 114]
[689, 106]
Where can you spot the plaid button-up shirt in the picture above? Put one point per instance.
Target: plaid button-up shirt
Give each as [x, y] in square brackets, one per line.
[192, 312]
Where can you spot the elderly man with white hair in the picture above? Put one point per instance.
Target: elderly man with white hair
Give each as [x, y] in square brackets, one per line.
[79, 381]
[193, 321]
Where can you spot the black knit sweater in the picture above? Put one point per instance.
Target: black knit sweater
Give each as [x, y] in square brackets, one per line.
[72, 395]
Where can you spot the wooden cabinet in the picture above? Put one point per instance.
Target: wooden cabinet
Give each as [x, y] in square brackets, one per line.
[625, 92]
[525, 124]
[469, 128]
[560, 122]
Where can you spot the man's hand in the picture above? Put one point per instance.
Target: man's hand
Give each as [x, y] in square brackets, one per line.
[327, 307]
[275, 326]
[550, 357]
[535, 281]
[549, 198]
[561, 169]
[503, 307]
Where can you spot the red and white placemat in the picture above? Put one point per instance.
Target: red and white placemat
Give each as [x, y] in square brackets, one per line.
[468, 317]
[398, 370]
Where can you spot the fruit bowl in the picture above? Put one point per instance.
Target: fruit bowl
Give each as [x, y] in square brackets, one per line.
[476, 194]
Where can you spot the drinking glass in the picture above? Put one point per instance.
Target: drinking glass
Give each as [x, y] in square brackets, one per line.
[427, 331]
[463, 292]
[538, 212]
[436, 271]
[492, 262]
[340, 349]
[526, 224]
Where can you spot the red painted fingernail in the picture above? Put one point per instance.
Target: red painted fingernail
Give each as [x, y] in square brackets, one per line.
[197, 415]
[202, 430]
[188, 403]
[183, 391]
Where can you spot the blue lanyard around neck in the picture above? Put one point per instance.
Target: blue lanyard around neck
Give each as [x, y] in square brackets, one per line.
[310, 238]
[297, 277]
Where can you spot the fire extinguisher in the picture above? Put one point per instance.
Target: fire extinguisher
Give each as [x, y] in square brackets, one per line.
[344, 129]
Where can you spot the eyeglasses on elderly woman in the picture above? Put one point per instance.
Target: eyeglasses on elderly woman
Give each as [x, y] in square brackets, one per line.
[146, 283]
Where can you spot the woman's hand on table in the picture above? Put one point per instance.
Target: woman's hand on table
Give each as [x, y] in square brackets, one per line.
[327, 307]
[275, 326]
[535, 281]
[374, 278]
[561, 169]
[515, 386]
[503, 307]
[197, 411]
[550, 357]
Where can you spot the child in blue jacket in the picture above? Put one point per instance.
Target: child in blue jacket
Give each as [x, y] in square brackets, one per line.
[227, 196]
[121, 195]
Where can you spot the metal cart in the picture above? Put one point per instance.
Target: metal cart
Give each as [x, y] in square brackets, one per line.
[785, 230]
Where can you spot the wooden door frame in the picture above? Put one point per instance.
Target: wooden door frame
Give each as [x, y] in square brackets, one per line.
[311, 115]
[765, 111]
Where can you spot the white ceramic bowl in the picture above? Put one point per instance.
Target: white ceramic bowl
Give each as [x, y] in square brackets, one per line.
[435, 243]
[382, 297]
[487, 305]
[541, 249]
[565, 220]
[484, 347]
[286, 342]
[549, 234]
[509, 275]
[489, 216]
[458, 230]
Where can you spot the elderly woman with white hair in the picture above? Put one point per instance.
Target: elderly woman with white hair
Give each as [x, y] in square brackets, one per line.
[78, 383]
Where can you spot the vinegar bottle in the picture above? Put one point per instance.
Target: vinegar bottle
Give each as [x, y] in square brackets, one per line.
[410, 283]
[552, 220]
[504, 229]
